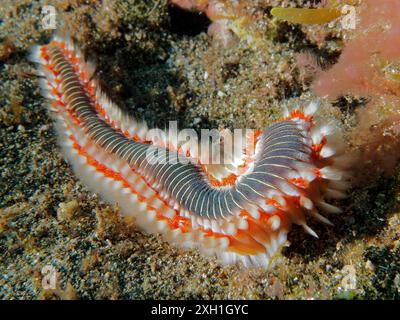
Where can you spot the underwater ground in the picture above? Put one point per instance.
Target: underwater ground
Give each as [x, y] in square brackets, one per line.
[158, 63]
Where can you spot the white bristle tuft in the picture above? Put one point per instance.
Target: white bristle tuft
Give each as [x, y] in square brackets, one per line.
[281, 201]
[289, 189]
[35, 55]
[329, 208]
[305, 170]
[210, 242]
[195, 225]
[321, 218]
[215, 226]
[169, 213]
[318, 133]
[223, 243]
[161, 226]
[228, 228]
[334, 194]
[268, 208]
[253, 211]
[327, 151]
[242, 224]
[339, 185]
[206, 224]
[310, 231]
[275, 222]
[311, 108]
[286, 112]
[306, 203]
[331, 173]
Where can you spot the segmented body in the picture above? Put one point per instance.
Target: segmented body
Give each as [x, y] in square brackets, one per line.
[239, 215]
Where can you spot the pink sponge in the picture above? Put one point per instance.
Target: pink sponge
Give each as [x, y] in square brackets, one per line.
[376, 44]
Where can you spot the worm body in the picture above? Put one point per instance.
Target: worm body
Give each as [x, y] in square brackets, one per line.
[240, 212]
